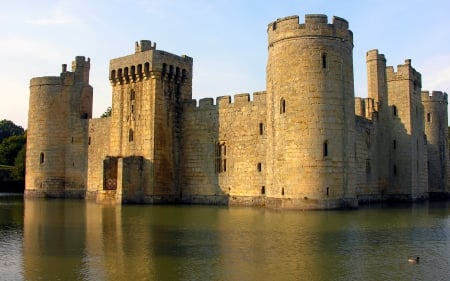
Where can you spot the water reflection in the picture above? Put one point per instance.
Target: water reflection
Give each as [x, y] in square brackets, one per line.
[74, 240]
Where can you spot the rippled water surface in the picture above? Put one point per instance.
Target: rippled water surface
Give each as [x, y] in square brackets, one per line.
[75, 240]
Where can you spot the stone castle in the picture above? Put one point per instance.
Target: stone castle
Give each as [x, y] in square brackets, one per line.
[304, 143]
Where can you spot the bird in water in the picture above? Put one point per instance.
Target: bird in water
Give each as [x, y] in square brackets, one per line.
[414, 260]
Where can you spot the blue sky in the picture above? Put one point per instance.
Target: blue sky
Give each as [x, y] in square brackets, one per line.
[226, 38]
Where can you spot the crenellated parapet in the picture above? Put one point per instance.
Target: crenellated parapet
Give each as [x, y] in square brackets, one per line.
[315, 25]
[435, 96]
[224, 102]
[404, 72]
[148, 62]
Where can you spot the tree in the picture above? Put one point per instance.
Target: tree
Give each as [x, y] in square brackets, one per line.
[10, 147]
[18, 171]
[8, 128]
[107, 113]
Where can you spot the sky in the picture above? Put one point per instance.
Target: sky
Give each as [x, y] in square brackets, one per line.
[226, 38]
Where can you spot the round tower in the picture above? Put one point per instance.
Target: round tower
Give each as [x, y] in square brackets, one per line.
[57, 134]
[46, 138]
[436, 131]
[311, 115]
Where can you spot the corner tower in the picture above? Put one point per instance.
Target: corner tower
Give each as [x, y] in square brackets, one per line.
[57, 136]
[310, 98]
[436, 131]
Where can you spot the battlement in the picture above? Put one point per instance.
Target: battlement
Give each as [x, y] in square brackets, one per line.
[81, 62]
[404, 72]
[146, 62]
[45, 80]
[239, 100]
[144, 45]
[315, 25]
[374, 55]
[435, 96]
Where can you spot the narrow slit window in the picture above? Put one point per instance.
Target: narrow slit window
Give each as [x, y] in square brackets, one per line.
[261, 128]
[325, 148]
[130, 135]
[263, 190]
[259, 167]
[41, 158]
[394, 110]
[394, 144]
[428, 117]
[282, 106]
[324, 61]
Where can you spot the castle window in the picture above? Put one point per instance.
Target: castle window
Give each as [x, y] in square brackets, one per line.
[328, 191]
[263, 190]
[261, 128]
[325, 148]
[394, 110]
[282, 191]
[259, 167]
[41, 158]
[89, 140]
[324, 61]
[428, 117]
[221, 161]
[394, 144]
[132, 95]
[84, 116]
[132, 109]
[368, 168]
[130, 135]
[282, 106]
[394, 169]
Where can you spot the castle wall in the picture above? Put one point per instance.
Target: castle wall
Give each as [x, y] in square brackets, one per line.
[224, 150]
[98, 149]
[369, 187]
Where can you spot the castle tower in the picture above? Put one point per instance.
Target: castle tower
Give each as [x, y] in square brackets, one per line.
[311, 118]
[377, 90]
[436, 131]
[59, 109]
[148, 89]
[408, 150]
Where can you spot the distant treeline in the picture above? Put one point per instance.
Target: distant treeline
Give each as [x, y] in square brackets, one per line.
[12, 156]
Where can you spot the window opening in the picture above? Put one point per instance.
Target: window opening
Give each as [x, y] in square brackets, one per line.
[261, 128]
[132, 95]
[41, 158]
[428, 117]
[130, 135]
[221, 161]
[259, 167]
[263, 190]
[324, 61]
[328, 191]
[395, 170]
[394, 143]
[394, 110]
[282, 106]
[325, 148]
[282, 191]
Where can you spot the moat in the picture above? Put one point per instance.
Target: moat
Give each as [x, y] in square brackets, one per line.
[77, 240]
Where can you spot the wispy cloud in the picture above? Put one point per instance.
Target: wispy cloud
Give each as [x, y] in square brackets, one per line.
[55, 20]
[60, 14]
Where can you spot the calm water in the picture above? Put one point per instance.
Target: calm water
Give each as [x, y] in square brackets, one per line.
[74, 240]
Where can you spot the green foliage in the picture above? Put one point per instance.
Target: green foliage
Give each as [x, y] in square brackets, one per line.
[8, 129]
[10, 147]
[18, 171]
[107, 113]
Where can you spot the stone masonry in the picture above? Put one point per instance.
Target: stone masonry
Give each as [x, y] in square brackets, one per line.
[304, 143]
